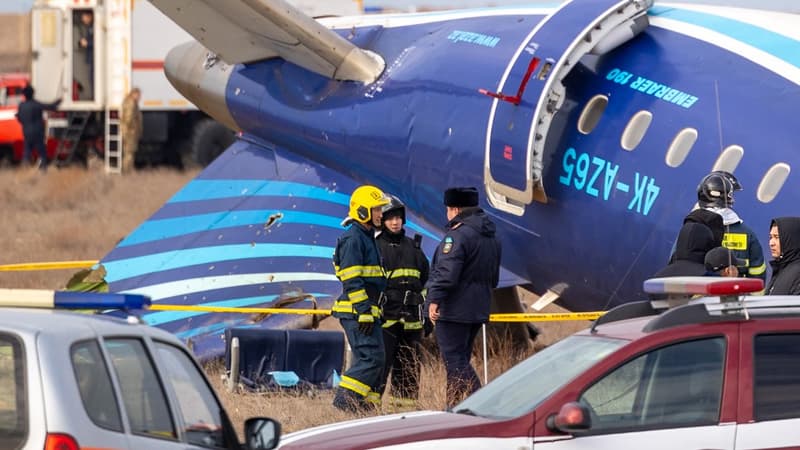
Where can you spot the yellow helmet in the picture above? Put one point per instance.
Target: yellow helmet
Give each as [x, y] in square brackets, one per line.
[362, 201]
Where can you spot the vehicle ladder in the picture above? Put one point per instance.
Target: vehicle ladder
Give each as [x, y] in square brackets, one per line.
[113, 141]
[68, 144]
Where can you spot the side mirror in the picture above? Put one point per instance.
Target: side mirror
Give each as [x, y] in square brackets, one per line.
[573, 417]
[261, 433]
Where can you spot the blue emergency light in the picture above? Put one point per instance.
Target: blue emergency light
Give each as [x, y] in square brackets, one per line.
[41, 298]
[703, 286]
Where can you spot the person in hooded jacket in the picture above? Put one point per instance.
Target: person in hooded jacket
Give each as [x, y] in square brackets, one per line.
[708, 218]
[465, 270]
[784, 245]
[694, 241]
[406, 270]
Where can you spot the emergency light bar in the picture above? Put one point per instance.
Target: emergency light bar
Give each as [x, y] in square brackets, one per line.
[720, 286]
[41, 298]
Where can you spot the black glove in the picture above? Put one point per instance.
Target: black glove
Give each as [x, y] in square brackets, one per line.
[366, 323]
[427, 326]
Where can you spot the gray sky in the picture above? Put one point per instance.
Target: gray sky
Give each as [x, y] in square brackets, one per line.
[783, 5]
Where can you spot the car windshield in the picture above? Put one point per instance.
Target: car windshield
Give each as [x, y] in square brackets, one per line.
[526, 385]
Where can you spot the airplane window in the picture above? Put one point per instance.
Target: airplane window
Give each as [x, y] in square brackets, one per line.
[592, 113]
[772, 182]
[635, 130]
[729, 159]
[680, 147]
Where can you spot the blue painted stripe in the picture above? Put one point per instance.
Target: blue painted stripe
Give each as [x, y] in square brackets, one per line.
[212, 189]
[765, 40]
[154, 230]
[127, 268]
[180, 209]
[285, 264]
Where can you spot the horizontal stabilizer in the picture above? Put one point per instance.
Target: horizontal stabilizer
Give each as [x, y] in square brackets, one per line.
[241, 31]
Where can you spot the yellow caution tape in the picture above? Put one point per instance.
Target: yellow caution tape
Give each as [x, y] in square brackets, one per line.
[543, 317]
[512, 317]
[56, 265]
[229, 309]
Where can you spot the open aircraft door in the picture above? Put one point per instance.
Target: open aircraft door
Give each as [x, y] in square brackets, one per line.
[518, 124]
[47, 69]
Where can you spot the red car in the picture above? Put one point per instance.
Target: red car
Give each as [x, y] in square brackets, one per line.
[11, 140]
[719, 372]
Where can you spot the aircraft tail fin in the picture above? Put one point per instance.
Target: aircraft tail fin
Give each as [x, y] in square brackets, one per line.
[242, 31]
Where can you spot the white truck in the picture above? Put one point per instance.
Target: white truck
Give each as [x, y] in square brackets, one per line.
[91, 53]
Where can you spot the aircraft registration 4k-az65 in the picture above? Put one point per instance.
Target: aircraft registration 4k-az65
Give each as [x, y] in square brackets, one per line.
[586, 125]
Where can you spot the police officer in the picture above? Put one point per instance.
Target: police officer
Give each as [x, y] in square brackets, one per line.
[357, 263]
[715, 193]
[406, 270]
[465, 269]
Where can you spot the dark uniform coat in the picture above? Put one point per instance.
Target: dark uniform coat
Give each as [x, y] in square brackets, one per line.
[406, 270]
[786, 268]
[694, 241]
[358, 265]
[465, 268]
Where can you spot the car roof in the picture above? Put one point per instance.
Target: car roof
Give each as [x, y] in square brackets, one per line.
[636, 319]
[69, 324]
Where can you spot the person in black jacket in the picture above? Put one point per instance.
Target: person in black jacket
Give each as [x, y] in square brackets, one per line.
[29, 115]
[694, 241]
[784, 245]
[465, 270]
[406, 270]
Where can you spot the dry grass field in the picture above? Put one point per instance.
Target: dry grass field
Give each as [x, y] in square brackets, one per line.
[76, 214]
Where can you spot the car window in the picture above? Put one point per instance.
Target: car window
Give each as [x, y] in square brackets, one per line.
[13, 393]
[678, 385]
[776, 387]
[142, 392]
[202, 414]
[94, 384]
[521, 388]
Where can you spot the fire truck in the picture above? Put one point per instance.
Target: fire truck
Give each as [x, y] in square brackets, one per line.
[91, 53]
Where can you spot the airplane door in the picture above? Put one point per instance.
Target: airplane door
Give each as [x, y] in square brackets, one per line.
[48, 56]
[518, 124]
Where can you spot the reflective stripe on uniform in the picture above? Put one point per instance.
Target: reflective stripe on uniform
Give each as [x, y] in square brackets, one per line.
[398, 273]
[412, 325]
[357, 296]
[374, 398]
[362, 318]
[735, 241]
[354, 385]
[756, 271]
[351, 272]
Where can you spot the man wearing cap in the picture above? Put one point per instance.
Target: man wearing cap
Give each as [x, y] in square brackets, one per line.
[721, 261]
[465, 270]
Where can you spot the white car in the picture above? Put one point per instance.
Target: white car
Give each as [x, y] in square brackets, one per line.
[70, 381]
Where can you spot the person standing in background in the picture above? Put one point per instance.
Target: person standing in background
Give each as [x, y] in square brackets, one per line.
[406, 270]
[30, 115]
[131, 128]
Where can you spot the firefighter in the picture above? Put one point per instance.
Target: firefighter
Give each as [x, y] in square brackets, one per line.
[715, 193]
[406, 270]
[131, 128]
[464, 271]
[358, 266]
